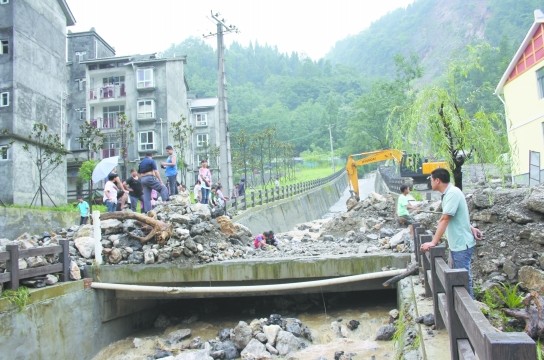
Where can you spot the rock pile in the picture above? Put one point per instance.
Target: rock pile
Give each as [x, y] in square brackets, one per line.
[512, 220]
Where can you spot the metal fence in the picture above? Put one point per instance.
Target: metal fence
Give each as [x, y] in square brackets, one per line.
[270, 195]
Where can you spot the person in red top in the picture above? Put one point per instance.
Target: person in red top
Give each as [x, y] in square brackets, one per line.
[259, 242]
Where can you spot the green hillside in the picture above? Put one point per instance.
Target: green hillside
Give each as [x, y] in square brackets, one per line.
[357, 86]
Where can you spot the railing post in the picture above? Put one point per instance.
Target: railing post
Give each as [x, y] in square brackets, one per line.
[266, 195]
[244, 202]
[453, 278]
[260, 197]
[436, 252]
[426, 264]
[65, 260]
[253, 199]
[13, 265]
[418, 230]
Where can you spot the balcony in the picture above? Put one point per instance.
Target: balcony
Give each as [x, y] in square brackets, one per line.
[105, 123]
[110, 91]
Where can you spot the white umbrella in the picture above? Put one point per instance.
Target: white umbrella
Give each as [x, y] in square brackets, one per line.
[104, 167]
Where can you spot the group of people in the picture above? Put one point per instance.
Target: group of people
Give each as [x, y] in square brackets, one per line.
[454, 221]
[144, 184]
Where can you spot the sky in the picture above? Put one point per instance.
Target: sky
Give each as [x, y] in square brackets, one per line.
[310, 28]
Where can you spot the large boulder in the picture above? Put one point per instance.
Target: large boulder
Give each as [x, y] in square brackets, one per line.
[287, 343]
[255, 350]
[531, 278]
[242, 335]
[85, 246]
[535, 201]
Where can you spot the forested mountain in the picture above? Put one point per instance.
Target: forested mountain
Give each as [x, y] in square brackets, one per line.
[349, 91]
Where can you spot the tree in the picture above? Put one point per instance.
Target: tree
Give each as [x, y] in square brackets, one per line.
[368, 126]
[47, 153]
[91, 138]
[181, 131]
[125, 134]
[241, 151]
[438, 122]
[86, 174]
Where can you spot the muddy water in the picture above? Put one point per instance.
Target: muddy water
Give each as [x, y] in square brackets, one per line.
[206, 317]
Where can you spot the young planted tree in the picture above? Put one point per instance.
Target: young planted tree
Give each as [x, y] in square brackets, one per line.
[47, 153]
[181, 131]
[438, 122]
[125, 134]
[242, 154]
[91, 139]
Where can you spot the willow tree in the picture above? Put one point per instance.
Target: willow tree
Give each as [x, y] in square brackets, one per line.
[437, 122]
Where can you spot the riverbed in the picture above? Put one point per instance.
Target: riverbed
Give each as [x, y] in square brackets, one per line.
[206, 318]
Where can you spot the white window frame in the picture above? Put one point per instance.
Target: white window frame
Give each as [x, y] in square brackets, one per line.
[143, 111]
[145, 78]
[80, 55]
[81, 84]
[4, 152]
[201, 140]
[200, 157]
[540, 82]
[81, 113]
[4, 46]
[146, 145]
[201, 119]
[4, 99]
[4, 2]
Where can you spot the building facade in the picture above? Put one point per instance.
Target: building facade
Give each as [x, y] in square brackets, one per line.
[205, 138]
[521, 89]
[33, 80]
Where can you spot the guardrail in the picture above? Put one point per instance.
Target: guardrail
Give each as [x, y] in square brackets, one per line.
[15, 275]
[471, 335]
[270, 195]
[394, 181]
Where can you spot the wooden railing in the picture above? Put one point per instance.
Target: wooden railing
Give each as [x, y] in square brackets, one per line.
[270, 195]
[471, 335]
[15, 275]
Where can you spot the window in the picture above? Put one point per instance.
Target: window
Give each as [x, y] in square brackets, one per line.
[201, 119]
[81, 113]
[113, 80]
[111, 115]
[3, 152]
[4, 99]
[147, 141]
[146, 109]
[201, 140]
[4, 46]
[3, 2]
[81, 84]
[200, 157]
[80, 55]
[144, 78]
[110, 147]
[540, 82]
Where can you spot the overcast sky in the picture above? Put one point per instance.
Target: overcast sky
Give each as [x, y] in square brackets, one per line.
[303, 26]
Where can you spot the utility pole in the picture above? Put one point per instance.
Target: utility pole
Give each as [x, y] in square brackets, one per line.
[332, 149]
[225, 159]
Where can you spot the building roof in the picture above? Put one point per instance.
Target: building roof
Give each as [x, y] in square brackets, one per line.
[203, 103]
[70, 19]
[91, 32]
[539, 21]
[135, 59]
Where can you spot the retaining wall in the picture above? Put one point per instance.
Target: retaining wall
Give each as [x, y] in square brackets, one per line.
[15, 221]
[283, 215]
[64, 320]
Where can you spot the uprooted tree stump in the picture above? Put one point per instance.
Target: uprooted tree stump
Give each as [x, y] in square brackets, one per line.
[533, 315]
[159, 230]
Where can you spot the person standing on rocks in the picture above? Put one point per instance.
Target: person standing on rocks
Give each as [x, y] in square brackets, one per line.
[171, 171]
[151, 180]
[455, 223]
[205, 177]
[110, 193]
[404, 205]
[135, 190]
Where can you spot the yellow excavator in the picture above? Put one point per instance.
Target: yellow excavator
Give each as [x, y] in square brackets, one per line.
[411, 165]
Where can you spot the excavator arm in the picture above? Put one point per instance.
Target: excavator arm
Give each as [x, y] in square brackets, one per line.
[368, 158]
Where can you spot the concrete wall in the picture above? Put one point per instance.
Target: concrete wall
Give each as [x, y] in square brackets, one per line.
[44, 329]
[283, 215]
[14, 222]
